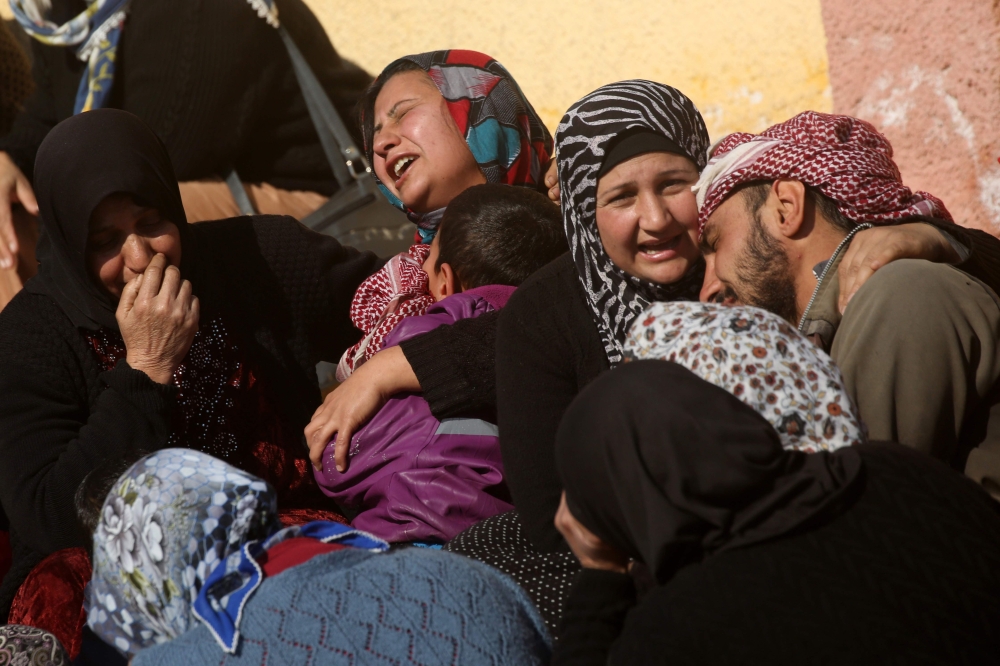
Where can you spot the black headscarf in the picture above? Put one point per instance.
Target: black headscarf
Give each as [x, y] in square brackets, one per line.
[669, 468]
[615, 122]
[83, 160]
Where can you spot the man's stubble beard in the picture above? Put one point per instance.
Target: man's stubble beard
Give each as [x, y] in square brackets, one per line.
[764, 274]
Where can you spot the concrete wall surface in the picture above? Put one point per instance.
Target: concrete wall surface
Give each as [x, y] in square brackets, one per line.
[926, 73]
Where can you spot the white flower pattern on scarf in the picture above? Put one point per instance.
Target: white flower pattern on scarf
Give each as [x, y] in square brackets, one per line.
[167, 523]
[760, 359]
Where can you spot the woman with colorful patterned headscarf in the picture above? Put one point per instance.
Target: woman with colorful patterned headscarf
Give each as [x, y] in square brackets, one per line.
[435, 124]
[189, 555]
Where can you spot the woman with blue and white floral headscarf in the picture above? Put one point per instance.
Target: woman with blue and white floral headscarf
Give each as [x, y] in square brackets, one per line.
[189, 552]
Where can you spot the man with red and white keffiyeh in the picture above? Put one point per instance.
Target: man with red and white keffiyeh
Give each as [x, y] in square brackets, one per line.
[919, 342]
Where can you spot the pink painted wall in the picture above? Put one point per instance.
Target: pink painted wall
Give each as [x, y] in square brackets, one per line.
[927, 74]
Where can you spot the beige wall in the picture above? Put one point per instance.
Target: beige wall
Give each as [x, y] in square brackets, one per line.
[926, 72]
[746, 63]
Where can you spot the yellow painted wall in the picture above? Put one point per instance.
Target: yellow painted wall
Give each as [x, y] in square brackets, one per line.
[746, 63]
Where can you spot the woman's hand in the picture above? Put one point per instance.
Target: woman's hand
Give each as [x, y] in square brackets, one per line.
[355, 402]
[552, 180]
[872, 249]
[158, 317]
[14, 188]
[590, 549]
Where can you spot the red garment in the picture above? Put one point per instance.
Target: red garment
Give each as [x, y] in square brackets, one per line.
[397, 291]
[224, 410]
[292, 552]
[291, 517]
[51, 597]
[845, 158]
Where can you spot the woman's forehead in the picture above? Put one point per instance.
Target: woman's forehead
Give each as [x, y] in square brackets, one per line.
[646, 165]
[409, 85]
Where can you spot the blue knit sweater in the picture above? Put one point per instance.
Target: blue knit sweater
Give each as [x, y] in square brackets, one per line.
[411, 606]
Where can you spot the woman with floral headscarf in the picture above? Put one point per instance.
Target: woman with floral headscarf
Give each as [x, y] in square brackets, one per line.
[434, 124]
[191, 566]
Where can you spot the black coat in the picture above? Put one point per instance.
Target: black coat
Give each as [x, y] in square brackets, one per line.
[285, 293]
[910, 574]
[215, 83]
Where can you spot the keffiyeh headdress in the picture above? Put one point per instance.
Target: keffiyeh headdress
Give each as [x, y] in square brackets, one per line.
[95, 33]
[586, 133]
[507, 138]
[845, 158]
[762, 360]
[177, 543]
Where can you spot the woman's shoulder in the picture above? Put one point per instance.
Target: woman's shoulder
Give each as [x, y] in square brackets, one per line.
[550, 286]
[30, 319]
[548, 315]
[35, 332]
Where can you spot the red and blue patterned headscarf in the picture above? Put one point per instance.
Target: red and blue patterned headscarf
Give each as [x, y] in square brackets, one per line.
[507, 138]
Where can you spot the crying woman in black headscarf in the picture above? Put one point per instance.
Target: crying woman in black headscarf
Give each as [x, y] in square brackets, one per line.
[756, 553]
[141, 332]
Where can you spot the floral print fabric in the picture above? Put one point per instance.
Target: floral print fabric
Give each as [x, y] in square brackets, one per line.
[165, 526]
[759, 358]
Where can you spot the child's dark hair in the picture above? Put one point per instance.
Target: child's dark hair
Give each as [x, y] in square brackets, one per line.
[499, 234]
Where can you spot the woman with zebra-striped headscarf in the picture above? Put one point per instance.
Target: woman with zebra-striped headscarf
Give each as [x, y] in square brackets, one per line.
[628, 154]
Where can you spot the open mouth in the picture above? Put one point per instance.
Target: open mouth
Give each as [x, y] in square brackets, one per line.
[654, 249]
[401, 166]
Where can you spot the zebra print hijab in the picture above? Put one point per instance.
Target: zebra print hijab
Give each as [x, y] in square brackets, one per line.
[583, 138]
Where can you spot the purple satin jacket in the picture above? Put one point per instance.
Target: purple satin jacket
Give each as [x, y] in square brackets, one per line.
[410, 476]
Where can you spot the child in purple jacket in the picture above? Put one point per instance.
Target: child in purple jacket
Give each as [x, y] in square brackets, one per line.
[411, 477]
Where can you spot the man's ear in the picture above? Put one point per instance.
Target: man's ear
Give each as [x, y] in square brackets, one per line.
[788, 199]
[449, 282]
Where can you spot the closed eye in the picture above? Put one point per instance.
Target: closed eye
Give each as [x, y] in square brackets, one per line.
[708, 243]
[104, 241]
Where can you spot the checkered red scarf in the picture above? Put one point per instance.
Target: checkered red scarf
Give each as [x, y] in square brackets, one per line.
[845, 158]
